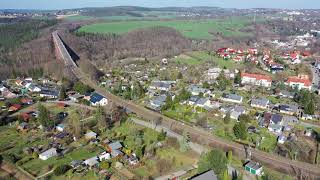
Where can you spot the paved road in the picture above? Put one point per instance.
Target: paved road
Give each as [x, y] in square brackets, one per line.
[201, 136]
[71, 103]
[315, 75]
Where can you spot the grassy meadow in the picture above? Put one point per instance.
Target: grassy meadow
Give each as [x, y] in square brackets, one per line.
[194, 29]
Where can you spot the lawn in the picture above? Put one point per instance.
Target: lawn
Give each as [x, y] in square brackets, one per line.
[180, 159]
[269, 143]
[185, 59]
[13, 141]
[194, 29]
[198, 57]
[181, 112]
[38, 166]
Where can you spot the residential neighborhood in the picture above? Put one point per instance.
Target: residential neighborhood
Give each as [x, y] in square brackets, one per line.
[170, 91]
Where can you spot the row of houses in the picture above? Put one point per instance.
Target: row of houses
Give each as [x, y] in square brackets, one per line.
[300, 82]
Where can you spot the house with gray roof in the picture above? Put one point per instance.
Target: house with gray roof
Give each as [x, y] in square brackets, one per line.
[261, 103]
[237, 111]
[289, 109]
[115, 146]
[201, 102]
[276, 119]
[234, 98]
[162, 85]
[254, 168]
[91, 161]
[275, 128]
[196, 90]
[157, 102]
[290, 119]
[209, 175]
[286, 94]
[48, 154]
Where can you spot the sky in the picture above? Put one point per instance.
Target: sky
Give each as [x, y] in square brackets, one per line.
[68, 4]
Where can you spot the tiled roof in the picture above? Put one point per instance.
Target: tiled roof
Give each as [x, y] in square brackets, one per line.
[294, 79]
[257, 76]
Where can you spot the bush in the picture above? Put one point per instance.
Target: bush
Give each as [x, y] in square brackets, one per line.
[24, 160]
[60, 170]
[11, 158]
[104, 165]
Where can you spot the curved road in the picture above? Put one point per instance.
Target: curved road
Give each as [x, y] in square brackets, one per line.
[201, 136]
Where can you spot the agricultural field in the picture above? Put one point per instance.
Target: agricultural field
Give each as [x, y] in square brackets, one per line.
[194, 29]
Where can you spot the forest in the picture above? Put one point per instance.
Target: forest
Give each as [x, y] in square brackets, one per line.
[23, 50]
[14, 34]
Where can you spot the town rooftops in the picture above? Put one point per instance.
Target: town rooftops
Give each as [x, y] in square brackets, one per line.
[295, 79]
[257, 76]
[95, 97]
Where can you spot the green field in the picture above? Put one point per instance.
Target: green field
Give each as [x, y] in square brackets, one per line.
[194, 29]
[82, 18]
[199, 57]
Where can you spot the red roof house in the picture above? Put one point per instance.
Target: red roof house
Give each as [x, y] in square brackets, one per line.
[299, 82]
[14, 107]
[256, 79]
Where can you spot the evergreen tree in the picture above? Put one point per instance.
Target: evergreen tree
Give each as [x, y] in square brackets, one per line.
[62, 94]
[222, 81]
[206, 85]
[74, 124]
[310, 108]
[169, 104]
[237, 79]
[227, 118]
[100, 117]
[214, 160]
[180, 76]
[44, 116]
[240, 130]
[184, 146]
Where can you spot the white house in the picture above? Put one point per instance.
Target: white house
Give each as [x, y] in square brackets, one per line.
[161, 85]
[91, 161]
[254, 168]
[281, 139]
[60, 127]
[49, 94]
[91, 135]
[32, 88]
[104, 156]
[48, 154]
[299, 82]
[98, 100]
[256, 79]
